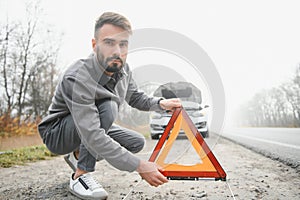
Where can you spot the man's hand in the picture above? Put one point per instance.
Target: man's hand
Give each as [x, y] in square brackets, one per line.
[170, 104]
[150, 172]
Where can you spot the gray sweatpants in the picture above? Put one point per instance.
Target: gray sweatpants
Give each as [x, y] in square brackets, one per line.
[63, 138]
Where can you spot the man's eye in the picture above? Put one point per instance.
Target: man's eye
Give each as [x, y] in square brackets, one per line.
[109, 42]
[123, 44]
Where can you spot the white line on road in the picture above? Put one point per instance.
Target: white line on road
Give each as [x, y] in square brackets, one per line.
[267, 141]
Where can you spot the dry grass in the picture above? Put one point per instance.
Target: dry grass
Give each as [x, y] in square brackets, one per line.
[12, 126]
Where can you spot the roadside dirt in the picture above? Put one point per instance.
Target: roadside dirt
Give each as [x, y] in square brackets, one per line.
[250, 175]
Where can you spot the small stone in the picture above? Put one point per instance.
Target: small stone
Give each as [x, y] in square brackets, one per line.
[257, 190]
[200, 194]
[172, 192]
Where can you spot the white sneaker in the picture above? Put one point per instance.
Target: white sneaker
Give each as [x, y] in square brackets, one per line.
[71, 160]
[86, 187]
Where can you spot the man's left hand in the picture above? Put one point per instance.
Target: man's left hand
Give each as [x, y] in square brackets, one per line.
[170, 104]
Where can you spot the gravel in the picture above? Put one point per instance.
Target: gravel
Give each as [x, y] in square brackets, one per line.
[249, 174]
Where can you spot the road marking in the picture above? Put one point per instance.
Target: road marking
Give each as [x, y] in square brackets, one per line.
[267, 141]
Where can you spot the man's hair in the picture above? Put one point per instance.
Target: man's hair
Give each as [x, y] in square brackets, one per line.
[114, 19]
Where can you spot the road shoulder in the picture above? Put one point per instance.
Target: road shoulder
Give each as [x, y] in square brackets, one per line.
[250, 175]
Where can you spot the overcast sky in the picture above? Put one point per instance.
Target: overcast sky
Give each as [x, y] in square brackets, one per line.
[253, 44]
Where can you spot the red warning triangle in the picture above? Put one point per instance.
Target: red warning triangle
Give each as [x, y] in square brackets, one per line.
[209, 168]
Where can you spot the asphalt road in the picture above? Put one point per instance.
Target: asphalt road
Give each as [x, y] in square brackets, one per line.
[281, 144]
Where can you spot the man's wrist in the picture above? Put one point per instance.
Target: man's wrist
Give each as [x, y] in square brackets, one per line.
[158, 102]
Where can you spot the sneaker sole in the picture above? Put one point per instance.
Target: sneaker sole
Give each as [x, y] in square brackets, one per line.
[69, 163]
[85, 197]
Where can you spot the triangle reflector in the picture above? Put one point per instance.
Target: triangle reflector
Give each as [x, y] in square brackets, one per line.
[208, 168]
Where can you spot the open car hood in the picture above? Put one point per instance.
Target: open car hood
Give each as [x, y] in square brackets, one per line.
[183, 90]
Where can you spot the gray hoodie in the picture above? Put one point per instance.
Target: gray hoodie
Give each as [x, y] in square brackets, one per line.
[83, 84]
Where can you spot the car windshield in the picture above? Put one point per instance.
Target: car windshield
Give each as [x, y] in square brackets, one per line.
[184, 90]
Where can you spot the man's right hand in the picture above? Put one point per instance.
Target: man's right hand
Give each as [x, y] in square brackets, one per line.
[150, 172]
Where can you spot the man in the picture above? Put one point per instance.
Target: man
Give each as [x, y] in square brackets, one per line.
[85, 105]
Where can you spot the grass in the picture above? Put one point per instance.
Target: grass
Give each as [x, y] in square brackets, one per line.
[24, 155]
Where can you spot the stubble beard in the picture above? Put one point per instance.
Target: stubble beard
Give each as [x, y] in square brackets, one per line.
[113, 66]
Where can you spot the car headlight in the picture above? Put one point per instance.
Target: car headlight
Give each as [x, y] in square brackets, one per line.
[156, 115]
[197, 114]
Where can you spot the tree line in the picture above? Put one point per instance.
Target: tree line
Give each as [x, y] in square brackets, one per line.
[275, 107]
[28, 59]
[29, 74]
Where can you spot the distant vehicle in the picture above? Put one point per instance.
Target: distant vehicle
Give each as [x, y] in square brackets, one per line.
[191, 99]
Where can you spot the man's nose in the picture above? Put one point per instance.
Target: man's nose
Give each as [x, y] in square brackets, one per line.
[117, 50]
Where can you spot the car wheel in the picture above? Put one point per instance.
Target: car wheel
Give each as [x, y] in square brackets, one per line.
[205, 134]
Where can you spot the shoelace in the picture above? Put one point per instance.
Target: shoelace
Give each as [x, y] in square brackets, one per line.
[91, 182]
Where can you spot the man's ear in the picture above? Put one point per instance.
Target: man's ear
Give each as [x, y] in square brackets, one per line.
[94, 42]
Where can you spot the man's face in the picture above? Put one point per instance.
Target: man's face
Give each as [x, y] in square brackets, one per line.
[111, 47]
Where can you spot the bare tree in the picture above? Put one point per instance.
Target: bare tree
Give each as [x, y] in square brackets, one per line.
[28, 64]
[292, 91]
[280, 109]
[7, 32]
[42, 86]
[279, 106]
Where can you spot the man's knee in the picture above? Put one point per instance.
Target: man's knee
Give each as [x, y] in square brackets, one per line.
[138, 145]
[129, 139]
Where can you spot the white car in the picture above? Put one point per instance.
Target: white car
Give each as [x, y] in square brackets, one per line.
[191, 101]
